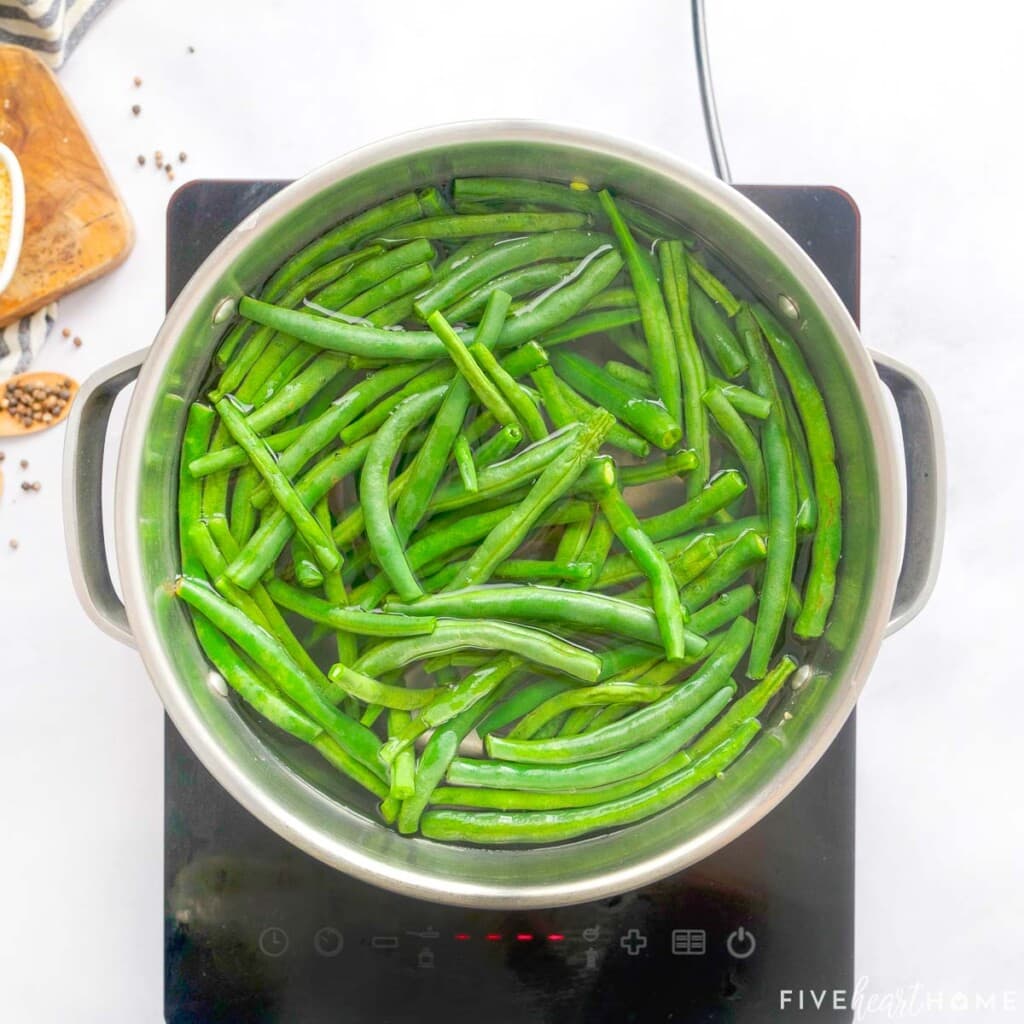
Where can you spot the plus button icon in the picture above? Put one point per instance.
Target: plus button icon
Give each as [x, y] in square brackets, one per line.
[633, 942]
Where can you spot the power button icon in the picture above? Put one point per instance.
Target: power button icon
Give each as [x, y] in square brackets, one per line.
[741, 943]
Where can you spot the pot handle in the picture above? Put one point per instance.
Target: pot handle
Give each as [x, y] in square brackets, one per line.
[925, 454]
[84, 444]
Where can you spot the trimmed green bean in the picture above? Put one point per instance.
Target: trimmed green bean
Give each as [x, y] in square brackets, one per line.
[498, 447]
[775, 585]
[371, 272]
[515, 394]
[667, 608]
[370, 691]
[452, 635]
[826, 546]
[373, 490]
[723, 490]
[472, 225]
[742, 441]
[711, 286]
[653, 314]
[717, 335]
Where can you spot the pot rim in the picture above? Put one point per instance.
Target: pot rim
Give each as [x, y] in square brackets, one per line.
[423, 884]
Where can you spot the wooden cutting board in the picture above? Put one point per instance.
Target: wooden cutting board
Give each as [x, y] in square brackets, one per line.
[76, 227]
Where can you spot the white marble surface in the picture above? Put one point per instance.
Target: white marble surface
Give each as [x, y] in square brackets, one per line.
[904, 105]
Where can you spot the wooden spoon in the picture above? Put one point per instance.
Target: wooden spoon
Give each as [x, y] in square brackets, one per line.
[14, 427]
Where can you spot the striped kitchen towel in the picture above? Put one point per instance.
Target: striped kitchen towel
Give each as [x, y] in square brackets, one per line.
[50, 27]
[20, 341]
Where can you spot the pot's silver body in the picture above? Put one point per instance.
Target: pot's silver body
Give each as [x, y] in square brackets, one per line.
[290, 789]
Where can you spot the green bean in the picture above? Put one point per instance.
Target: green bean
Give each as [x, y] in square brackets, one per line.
[633, 347]
[241, 514]
[597, 775]
[498, 447]
[741, 399]
[653, 314]
[485, 391]
[276, 528]
[403, 770]
[515, 395]
[458, 226]
[599, 694]
[750, 705]
[451, 635]
[691, 362]
[307, 572]
[667, 609]
[570, 543]
[636, 380]
[778, 573]
[371, 272]
[265, 650]
[713, 674]
[370, 691]
[438, 754]
[491, 263]
[379, 343]
[347, 619]
[464, 463]
[527, 569]
[723, 609]
[373, 490]
[578, 720]
[447, 704]
[826, 546]
[521, 281]
[279, 485]
[589, 323]
[489, 827]
[676, 464]
[723, 490]
[614, 298]
[689, 554]
[592, 613]
[717, 335]
[555, 480]
[749, 550]
[646, 417]
[803, 475]
[711, 286]
[741, 439]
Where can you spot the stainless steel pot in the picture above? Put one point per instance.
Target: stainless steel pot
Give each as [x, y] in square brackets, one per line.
[298, 796]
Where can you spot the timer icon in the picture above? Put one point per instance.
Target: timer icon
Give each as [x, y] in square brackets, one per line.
[741, 943]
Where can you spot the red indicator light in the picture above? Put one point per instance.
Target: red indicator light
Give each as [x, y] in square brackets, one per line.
[524, 937]
[556, 938]
[463, 937]
[494, 937]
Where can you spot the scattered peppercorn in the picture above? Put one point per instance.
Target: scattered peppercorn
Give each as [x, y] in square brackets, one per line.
[191, 49]
[137, 81]
[66, 332]
[141, 160]
[136, 109]
[23, 463]
[3, 455]
[77, 342]
[170, 173]
[13, 544]
[182, 157]
[26, 485]
[158, 159]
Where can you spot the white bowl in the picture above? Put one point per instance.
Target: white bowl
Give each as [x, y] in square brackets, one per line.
[10, 260]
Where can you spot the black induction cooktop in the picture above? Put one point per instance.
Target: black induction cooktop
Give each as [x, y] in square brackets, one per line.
[257, 931]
